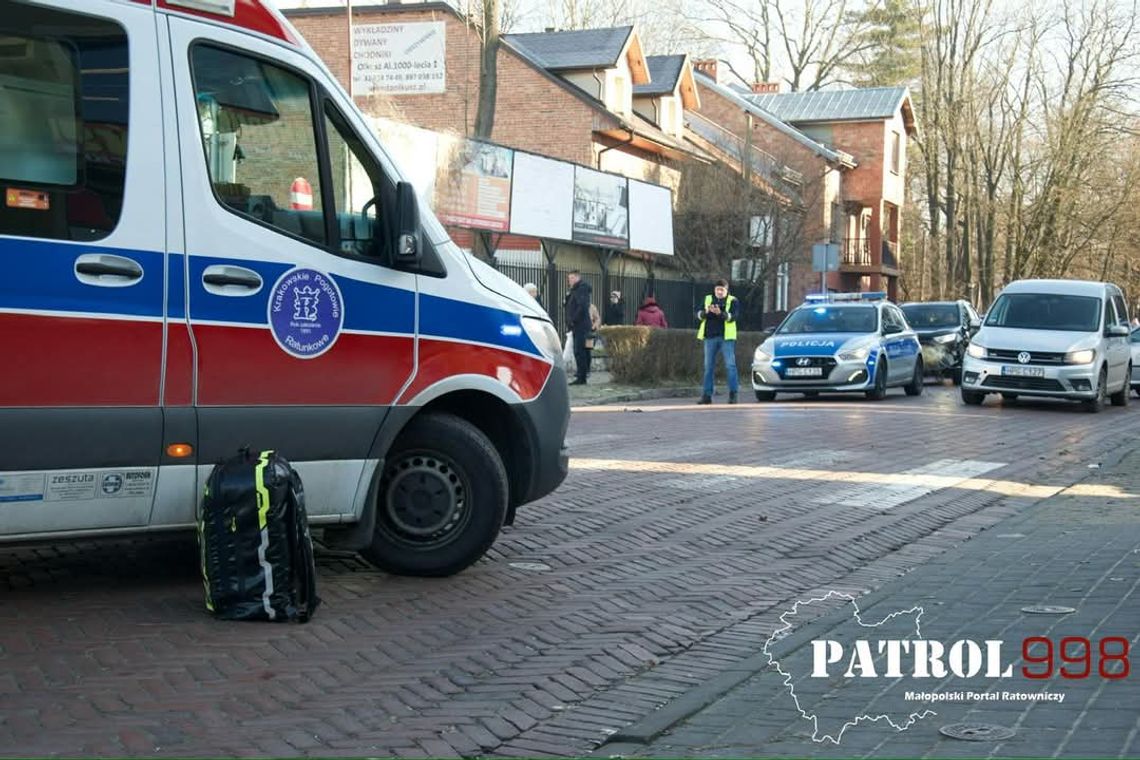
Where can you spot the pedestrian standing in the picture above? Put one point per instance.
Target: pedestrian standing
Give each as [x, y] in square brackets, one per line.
[532, 289]
[650, 314]
[578, 321]
[718, 333]
[615, 309]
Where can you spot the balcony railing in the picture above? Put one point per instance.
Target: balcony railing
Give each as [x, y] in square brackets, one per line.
[856, 252]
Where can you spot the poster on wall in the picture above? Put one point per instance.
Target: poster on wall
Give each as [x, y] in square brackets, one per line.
[399, 59]
[601, 208]
[542, 197]
[473, 184]
[650, 218]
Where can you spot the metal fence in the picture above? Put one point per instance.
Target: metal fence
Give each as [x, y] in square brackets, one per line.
[679, 299]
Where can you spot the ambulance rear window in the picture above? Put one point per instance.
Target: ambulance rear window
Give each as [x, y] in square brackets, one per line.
[63, 124]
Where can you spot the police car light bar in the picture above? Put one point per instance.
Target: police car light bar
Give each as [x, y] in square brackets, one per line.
[877, 295]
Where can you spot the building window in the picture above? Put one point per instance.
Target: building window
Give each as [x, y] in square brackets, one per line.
[619, 99]
[896, 141]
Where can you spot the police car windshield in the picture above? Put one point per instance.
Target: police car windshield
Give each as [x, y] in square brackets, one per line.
[924, 315]
[829, 318]
[1045, 311]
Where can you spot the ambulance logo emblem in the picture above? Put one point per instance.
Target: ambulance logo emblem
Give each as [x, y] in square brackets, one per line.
[306, 313]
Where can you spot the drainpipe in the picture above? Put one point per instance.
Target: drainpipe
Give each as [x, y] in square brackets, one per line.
[620, 144]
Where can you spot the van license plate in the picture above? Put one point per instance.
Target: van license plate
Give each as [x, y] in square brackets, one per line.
[1017, 371]
[803, 372]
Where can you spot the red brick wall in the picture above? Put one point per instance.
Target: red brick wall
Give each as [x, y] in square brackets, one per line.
[532, 112]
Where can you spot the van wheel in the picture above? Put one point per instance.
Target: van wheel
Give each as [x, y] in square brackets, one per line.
[879, 392]
[914, 387]
[441, 500]
[1120, 398]
[1094, 405]
[972, 398]
[765, 395]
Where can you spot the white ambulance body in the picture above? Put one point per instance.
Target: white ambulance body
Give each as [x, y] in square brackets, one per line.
[204, 247]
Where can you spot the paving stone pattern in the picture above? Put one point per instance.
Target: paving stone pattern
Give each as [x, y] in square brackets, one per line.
[662, 575]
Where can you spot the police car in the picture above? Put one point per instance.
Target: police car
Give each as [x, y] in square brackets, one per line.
[841, 342]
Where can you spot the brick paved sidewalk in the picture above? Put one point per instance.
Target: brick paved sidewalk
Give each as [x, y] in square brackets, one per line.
[1079, 549]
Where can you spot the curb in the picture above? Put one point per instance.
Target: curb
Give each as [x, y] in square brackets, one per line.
[646, 395]
[651, 726]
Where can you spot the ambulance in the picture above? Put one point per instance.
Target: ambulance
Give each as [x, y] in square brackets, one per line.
[204, 247]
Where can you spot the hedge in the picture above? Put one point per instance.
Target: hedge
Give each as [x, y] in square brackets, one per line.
[650, 355]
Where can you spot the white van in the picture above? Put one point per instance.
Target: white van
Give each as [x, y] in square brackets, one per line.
[1061, 338]
[205, 247]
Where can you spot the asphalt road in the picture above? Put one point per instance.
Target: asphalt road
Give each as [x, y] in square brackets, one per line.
[666, 558]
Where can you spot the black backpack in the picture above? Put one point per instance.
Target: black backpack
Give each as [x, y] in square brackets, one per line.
[257, 553]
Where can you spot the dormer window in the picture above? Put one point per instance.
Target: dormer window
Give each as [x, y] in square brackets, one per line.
[620, 100]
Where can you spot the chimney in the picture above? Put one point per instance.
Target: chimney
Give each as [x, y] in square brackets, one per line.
[708, 68]
[549, 29]
[765, 88]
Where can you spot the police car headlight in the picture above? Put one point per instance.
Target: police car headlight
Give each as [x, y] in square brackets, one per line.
[976, 351]
[544, 337]
[947, 338]
[761, 356]
[1080, 357]
[854, 355]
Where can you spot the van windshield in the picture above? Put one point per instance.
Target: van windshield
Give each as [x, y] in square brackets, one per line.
[923, 316]
[1045, 311]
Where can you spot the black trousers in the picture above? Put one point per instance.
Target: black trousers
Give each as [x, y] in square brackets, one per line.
[581, 353]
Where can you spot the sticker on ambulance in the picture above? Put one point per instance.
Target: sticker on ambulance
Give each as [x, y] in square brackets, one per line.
[306, 313]
[70, 486]
[24, 487]
[126, 484]
[27, 199]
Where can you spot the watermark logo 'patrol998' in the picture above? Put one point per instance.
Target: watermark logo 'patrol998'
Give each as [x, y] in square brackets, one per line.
[306, 313]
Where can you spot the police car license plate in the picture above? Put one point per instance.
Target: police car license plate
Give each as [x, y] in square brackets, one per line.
[803, 372]
[1017, 371]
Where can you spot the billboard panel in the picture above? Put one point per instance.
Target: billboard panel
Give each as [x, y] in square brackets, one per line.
[650, 218]
[399, 59]
[473, 185]
[601, 208]
[542, 197]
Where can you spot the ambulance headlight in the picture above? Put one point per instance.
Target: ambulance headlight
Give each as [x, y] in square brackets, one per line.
[542, 333]
[855, 354]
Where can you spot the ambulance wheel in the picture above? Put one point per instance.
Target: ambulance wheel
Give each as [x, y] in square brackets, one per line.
[879, 392]
[765, 395]
[441, 500]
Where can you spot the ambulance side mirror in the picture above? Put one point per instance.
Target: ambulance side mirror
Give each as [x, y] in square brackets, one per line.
[407, 246]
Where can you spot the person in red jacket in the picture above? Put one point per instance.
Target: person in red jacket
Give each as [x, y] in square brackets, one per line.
[650, 314]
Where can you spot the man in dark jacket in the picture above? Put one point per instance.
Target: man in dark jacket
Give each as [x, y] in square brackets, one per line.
[578, 320]
[615, 309]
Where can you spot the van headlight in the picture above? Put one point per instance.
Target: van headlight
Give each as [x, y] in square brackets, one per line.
[947, 338]
[976, 351]
[854, 355]
[543, 335]
[1080, 357]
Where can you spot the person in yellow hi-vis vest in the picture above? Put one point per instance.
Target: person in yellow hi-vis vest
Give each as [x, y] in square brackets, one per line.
[718, 333]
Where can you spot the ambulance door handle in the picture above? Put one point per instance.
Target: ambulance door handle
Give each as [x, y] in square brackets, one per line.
[224, 280]
[107, 270]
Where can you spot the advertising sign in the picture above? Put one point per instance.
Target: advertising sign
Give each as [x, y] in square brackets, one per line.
[473, 186]
[650, 218]
[601, 208]
[542, 197]
[399, 59]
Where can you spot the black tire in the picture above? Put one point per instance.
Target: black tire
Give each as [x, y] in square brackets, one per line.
[972, 398]
[879, 392]
[956, 375]
[765, 395]
[1120, 398]
[914, 387]
[1009, 397]
[441, 500]
[1094, 405]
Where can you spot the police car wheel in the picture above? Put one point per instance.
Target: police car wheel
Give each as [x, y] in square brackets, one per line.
[879, 392]
[441, 499]
[765, 395]
[914, 387]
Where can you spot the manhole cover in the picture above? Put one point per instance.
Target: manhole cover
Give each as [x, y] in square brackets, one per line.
[1048, 609]
[977, 732]
[534, 566]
